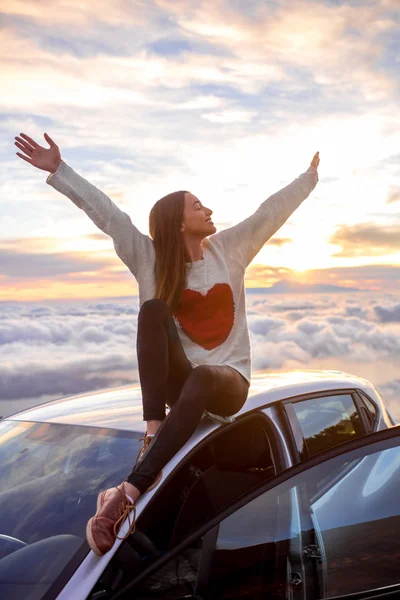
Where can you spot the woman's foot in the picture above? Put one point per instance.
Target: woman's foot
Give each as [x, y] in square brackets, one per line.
[113, 506]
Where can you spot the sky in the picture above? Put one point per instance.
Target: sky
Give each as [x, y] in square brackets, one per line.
[229, 100]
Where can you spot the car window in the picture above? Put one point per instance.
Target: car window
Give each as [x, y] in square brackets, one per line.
[328, 421]
[287, 542]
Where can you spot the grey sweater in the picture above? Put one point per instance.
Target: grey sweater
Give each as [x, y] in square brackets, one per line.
[211, 322]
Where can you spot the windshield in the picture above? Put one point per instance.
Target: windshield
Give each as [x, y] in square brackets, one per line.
[50, 475]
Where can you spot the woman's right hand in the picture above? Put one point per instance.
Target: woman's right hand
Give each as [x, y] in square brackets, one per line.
[36, 155]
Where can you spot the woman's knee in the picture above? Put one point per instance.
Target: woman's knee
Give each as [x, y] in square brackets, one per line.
[202, 378]
[214, 379]
[203, 371]
[154, 307]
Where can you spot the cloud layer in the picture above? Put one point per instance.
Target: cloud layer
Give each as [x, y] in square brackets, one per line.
[56, 349]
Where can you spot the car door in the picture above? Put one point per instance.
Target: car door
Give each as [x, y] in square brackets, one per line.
[358, 526]
[349, 530]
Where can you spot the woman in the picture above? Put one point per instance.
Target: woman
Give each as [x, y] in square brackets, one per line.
[193, 342]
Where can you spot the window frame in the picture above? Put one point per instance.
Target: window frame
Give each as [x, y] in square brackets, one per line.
[362, 395]
[308, 463]
[293, 428]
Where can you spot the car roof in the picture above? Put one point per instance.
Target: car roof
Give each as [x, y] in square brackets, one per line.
[121, 407]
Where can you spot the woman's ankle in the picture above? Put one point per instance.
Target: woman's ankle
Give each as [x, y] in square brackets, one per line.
[131, 491]
[152, 427]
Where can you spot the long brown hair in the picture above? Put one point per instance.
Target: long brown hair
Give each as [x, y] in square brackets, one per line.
[165, 221]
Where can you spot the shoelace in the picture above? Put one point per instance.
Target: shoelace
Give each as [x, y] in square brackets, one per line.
[124, 511]
[146, 442]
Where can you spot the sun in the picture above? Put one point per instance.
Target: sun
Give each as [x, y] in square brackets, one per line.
[300, 275]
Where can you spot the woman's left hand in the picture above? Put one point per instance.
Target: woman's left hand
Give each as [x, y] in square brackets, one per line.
[315, 160]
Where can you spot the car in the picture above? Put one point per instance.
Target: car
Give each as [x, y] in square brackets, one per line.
[294, 497]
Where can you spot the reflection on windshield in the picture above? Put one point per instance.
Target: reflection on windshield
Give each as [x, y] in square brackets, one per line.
[50, 475]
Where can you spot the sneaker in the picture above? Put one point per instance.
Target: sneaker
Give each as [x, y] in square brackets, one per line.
[113, 507]
[147, 439]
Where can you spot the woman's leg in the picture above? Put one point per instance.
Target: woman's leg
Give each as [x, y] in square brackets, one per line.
[163, 365]
[163, 369]
[220, 389]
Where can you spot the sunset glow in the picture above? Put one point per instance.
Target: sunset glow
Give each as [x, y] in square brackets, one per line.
[231, 103]
[229, 100]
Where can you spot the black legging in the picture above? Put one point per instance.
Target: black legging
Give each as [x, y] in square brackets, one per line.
[167, 377]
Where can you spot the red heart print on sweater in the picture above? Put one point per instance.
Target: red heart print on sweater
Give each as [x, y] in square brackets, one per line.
[207, 320]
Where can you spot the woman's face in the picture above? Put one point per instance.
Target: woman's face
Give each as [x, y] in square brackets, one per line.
[197, 218]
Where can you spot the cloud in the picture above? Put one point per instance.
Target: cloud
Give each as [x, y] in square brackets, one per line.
[245, 90]
[64, 349]
[222, 98]
[48, 350]
[388, 314]
[36, 268]
[255, 48]
[279, 241]
[230, 116]
[394, 196]
[380, 276]
[366, 239]
[15, 263]
[26, 261]
[307, 35]
[74, 12]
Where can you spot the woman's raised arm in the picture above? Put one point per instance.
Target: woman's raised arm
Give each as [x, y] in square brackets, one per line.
[134, 248]
[244, 240]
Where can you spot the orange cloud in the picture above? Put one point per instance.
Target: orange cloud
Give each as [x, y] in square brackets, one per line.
[366, 239]
[43, 289]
